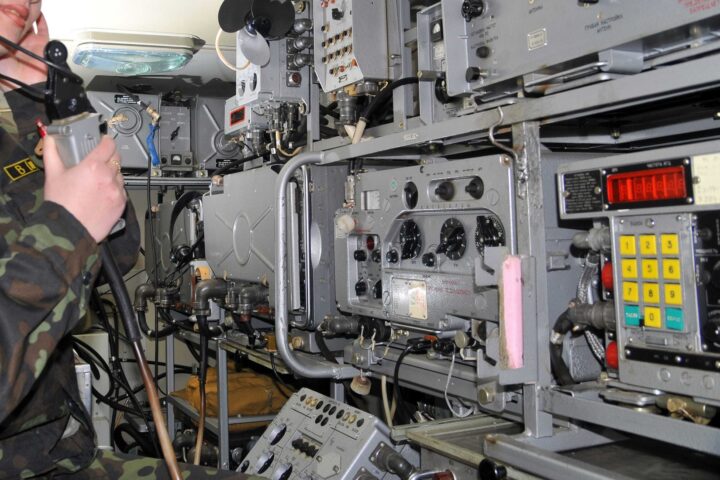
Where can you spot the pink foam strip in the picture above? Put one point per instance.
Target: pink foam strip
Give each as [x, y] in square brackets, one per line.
[512, 318]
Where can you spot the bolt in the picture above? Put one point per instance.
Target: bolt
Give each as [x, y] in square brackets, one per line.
[615, 133]
[566, 194]
[597, 190]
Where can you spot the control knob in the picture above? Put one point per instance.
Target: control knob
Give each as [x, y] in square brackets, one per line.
[392, 256]
[361, 288]
[360, 255]
[472, 9]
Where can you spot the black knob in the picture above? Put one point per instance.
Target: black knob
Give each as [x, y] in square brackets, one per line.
[715, 275]
[473, 74]
[392, 256]
[490, 470]
[711, 329]
[483, 52]
[445, 191]
[244, 466]
[361, 288]
[377, 290]
[472, 8]
[429, 259]
[360, 255]
[476, 188]
[376, 256]
[337, 14]
[297, 443]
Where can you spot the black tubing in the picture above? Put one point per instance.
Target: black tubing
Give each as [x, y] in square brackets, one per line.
[132, 330]
[563, 325]
[168, 330]
[385, 94]
[138, 437]
[122, 299]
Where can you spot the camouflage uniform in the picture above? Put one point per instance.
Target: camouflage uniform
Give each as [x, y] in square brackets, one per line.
[48, 266]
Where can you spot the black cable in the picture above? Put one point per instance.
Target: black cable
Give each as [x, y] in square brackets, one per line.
[54, 66]
[142, 442]
[559, 368]
[281, 382]
[37, 95]
[192, 350]
[402, 408]
[384, 95]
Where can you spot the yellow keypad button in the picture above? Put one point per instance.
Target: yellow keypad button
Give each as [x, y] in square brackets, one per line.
[630, 292]
[650, 269]
[629, 268]
[651, 293]
[648, 245]
[671, 269]
[673, 294]
[652, 317]
[627, 245]
[670, 244]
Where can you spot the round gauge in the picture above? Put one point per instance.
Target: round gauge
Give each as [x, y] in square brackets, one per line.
[410, 240]
[489, 233]
[452, 239]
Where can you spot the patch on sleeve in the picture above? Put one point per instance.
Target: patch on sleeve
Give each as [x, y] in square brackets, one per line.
[20, 169]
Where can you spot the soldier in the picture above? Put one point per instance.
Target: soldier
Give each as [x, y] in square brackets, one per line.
[51, 221]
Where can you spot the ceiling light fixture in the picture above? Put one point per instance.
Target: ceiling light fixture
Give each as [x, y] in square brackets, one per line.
[134, 53]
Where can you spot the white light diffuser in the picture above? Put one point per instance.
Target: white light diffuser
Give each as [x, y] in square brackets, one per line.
[134, 53]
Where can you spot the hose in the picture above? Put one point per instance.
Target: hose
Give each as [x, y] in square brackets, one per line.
[379, 99]
[132, 330]
[559, 368]
[150, 333]
[202, 376]
[150, 141]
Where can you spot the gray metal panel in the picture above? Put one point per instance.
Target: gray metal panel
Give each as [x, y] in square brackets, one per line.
[240, 228]
[131, 126]
[448, 288]
[670, 430]
[528, 37]
[352, 48]
[344, 441]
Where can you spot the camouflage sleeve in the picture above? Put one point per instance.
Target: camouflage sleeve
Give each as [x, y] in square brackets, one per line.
[46, 266]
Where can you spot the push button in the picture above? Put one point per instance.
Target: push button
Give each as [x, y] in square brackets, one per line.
[650, 269]
[648, 245]
[651, 293]
[673, 294]
[674, 319]
[652, 317]
[671, 269]
[630, 292]
[669, 244]
[627, 245]
[629, 268]
[632, 316]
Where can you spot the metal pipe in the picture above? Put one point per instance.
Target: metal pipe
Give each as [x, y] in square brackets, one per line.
[324, 369]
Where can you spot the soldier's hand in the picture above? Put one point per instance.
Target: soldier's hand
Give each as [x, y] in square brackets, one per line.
[92, 191]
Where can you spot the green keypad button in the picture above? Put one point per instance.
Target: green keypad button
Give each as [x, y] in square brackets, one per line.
[674, 319]
[632, 316]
